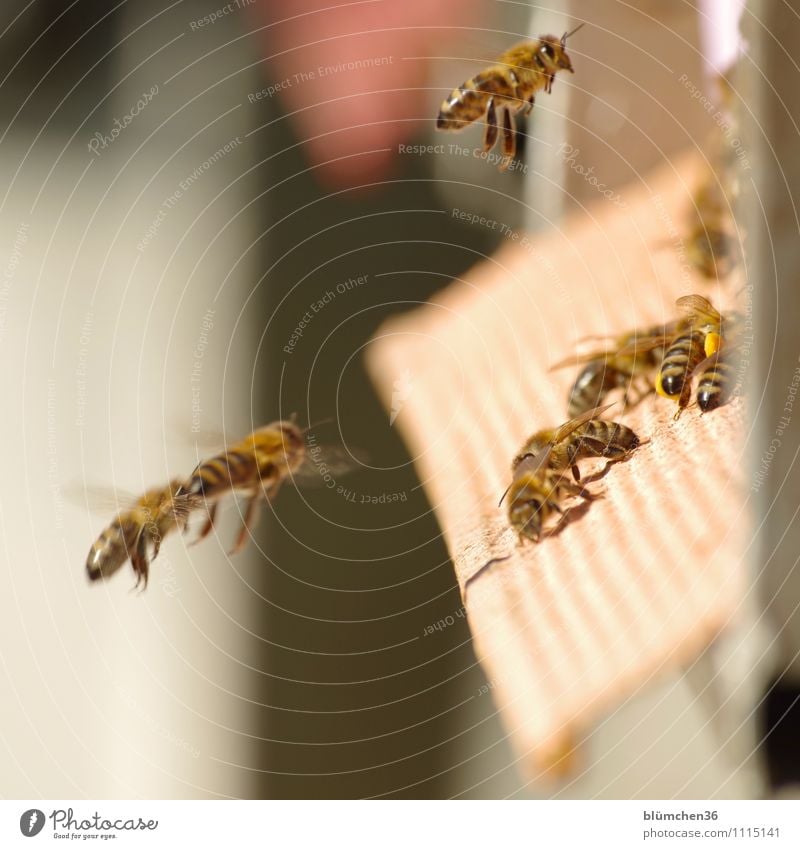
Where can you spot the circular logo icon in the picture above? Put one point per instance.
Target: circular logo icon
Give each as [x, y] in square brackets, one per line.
[31, 822]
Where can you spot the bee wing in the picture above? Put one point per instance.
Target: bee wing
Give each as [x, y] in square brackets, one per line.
[185, 431]
[594, 337]
[723, 354]
[643, 344]
[704, 365]
[533, 463]
[650, 338]
[639, 343]
[329, 463]
[698, 310]
[573, 424]
[579, 359]
[100, 499]
[482, 50]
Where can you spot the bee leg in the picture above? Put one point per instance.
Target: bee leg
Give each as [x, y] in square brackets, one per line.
[209, 523]
[580, 491]
[527, 107]
[572, 454]
[684, 398]
[523, 538]
[681, 408]
[156, 545]
[272, 488]
[509, 140]
[490, 136]
[182, 522]
[250, 518]
[140, 562]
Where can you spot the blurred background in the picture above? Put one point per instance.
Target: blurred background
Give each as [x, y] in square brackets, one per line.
[208, 209]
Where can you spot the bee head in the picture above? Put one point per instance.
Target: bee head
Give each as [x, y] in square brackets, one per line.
[525, 517]
[293, 439]
[556, 50]
[551, 50]
[528, 502]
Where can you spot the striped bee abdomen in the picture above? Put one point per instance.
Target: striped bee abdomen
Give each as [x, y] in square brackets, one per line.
[680, 360]
[108, 552]
[470, 101]
[221, 474]
[592, 385]
[601, 438]
[716, 384]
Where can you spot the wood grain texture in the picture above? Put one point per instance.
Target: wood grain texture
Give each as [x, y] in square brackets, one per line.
[633, 583]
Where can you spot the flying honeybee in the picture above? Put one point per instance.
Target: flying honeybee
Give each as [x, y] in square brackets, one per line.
[540, 480]
[711, 249]
[632, 355]
[710, 244]
[506, 88]
[255, 466]
[136, 531]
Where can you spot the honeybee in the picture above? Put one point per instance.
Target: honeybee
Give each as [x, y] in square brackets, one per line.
[134, 532]
[717, 378]
[507, 88]
[711, 249]
[632, 355]
[704, 334]
[540, 480]
[710, 245]
[255, 466]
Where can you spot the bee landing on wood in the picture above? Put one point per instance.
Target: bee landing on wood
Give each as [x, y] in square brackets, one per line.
[540, 481]
[507, 88]
[694, 352]
[718, 378]
[631, 356]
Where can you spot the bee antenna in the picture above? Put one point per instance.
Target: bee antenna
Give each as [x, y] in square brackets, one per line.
[503, 496]
[570, 34]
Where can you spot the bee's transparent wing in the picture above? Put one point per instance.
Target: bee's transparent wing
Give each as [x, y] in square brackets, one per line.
[645, 344]
[325, 463]
[100, 499]
[532, 464]
[580, 359]
[206, 441]
[698, 309]
[573, 424]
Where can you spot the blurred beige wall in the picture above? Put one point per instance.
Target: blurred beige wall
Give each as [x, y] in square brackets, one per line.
[108, 336]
